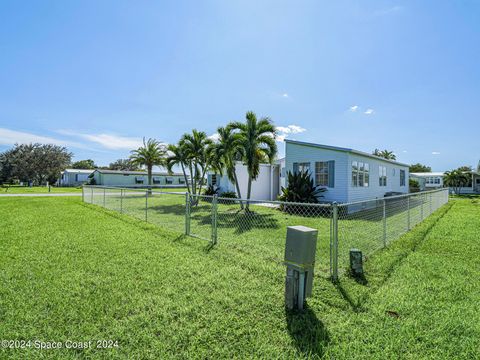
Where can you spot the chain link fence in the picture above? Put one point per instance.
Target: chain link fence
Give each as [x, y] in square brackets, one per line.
[259, 227]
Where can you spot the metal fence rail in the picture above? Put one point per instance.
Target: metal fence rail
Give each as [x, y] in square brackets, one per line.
[259, 227]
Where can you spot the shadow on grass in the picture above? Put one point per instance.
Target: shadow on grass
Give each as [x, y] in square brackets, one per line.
[307, 331]
[355, 304]
[238, 220]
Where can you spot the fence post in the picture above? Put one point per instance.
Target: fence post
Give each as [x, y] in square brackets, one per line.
[421, 209]
[334, 242]
[91, 198]
[431, 200]
[121, 201]
[187, 213]
[384, 223]
[104, 194]
[214, 219]
[146, 206]
[83, 193]
[408, 212]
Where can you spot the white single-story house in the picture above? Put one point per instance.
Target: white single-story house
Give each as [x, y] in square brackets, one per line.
[136, 178]
[348, 175]
[74, 177]
[428, 180]
[265, 187]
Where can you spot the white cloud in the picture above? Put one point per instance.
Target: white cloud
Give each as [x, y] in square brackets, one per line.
[369, 112]
[12, 137]
[284, 131]
[387, 11]
[404, 151]
[290, 129]
[109, 141]
[214, 137]
[285, 95]
[353, 108]
[435, 153]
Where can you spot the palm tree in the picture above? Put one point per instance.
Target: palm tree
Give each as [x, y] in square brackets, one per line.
[227, 151]
[256, 143]
[178, 157]
[456, 179]
[197, 148]
[389, 155]
[150, 154]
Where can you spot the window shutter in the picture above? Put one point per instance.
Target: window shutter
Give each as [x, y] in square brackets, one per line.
[295, 168]
[331, 174]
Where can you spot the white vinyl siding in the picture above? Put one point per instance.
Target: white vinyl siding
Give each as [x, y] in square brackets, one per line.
[338, 176]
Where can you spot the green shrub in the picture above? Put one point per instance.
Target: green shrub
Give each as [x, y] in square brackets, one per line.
[228, 195]
[210, 191]
[301, 189]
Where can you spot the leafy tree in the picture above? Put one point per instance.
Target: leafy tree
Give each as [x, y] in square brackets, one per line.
[151, 154]
[35, 163]
[6, 166]
[84, 164]
[414, 185]
[456, 179]
[256, 144]
[386, 154]
[123, 165]
[227, 151]
[197, 149]
[419, 168]
[465, 168]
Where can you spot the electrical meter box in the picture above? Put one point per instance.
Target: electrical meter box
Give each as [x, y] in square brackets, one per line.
[300, 245]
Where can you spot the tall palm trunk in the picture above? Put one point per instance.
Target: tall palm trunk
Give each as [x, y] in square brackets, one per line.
[249, 190]
[149, 176]
[237, 187]
[185, 177]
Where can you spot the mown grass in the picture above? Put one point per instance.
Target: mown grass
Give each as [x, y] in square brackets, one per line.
[78, 272]
[38, 189]
[263, 229]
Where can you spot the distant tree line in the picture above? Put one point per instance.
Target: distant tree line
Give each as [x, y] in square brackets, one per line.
[34, 164]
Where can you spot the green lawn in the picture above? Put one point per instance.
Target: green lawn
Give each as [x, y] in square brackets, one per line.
[72, 271]
[263, 229]
[5, 189]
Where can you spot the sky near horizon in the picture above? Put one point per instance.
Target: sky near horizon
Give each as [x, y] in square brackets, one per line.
[97, 76]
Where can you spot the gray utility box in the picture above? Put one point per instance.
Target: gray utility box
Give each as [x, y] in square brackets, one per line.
[300, 248]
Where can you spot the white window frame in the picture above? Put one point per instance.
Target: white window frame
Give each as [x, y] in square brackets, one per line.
[382, 175]
[360, 174]
[322, 173]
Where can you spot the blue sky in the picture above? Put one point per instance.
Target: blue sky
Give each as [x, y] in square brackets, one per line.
[97, 76]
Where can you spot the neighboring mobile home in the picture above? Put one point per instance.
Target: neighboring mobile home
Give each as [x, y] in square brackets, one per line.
[428, 180]
[74, 177]
[348, 175]
[136, 178]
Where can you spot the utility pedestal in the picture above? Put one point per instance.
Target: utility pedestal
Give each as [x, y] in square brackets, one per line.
[300, 247]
